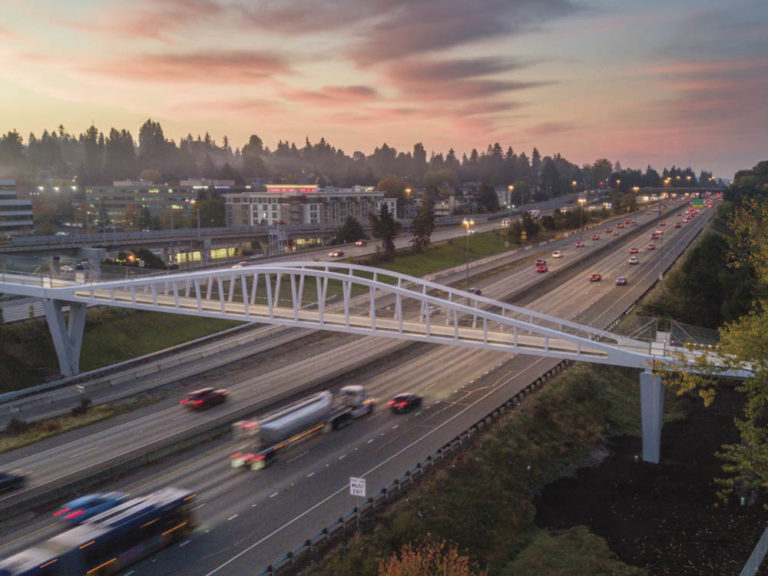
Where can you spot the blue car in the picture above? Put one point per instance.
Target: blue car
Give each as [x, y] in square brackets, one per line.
[81, 509]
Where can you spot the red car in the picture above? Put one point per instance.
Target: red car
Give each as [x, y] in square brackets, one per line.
[540, 262]
[621, 281]
[678, 225]
[651, 247]
[595, 236]
[633, 250]
[595, 277]
[541, 268]
[609, 230]
[579, 244]
[205, 398]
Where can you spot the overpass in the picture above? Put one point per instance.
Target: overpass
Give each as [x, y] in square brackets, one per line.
[356, 299]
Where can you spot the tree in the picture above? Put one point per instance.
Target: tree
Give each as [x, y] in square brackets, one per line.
[423, 225]
[487, 198]
[350, 231]
[428, 559]
[385, 229]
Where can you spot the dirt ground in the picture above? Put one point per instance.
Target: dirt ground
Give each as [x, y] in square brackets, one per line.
[663, 517]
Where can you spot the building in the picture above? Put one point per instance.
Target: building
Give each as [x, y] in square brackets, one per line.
[174, 205]
[15, 214]
[304, 204]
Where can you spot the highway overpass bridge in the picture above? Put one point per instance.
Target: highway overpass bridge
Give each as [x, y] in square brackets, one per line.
[356, 299]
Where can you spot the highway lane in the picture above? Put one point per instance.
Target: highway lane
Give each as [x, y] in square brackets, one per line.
[438, 378]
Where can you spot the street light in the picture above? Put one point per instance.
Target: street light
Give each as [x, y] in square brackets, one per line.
[468, 223]
[582, 201]
[405, 210]
[511, 189]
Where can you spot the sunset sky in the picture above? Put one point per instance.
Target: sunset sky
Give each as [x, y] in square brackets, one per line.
[673, 82]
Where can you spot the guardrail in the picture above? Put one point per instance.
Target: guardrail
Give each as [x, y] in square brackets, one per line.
[349, 521]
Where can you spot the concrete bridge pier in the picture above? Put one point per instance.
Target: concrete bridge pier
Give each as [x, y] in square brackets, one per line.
[67, 335]
[651, 408]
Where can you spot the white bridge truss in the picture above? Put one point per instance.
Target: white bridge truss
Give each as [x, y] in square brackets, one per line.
[345, 298]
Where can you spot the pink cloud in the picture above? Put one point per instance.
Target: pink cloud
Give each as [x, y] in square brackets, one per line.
[332, 96]
[152, 20]
[194, 68]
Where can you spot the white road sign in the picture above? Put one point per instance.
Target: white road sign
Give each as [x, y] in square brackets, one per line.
[357, 486]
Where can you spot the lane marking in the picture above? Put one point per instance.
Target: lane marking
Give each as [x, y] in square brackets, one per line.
[345, 488]
[232, 517]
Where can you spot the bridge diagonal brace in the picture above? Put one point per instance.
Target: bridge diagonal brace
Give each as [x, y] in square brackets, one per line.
[67, 335]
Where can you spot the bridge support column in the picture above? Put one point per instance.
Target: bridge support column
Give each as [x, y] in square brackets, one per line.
[67, 335]
[652, 408]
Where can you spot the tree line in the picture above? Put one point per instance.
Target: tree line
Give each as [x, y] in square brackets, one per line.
[96, 158]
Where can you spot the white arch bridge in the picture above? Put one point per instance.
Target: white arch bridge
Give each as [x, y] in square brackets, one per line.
[355, 299]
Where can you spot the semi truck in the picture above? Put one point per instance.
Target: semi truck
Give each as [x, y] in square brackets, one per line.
[263, 439]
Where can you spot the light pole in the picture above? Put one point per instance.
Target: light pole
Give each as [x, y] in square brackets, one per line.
[468, 223]
[582, 201]
[405, 210]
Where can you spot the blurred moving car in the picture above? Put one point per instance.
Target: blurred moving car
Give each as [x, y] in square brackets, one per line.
[336, 253]
[579, 244]
[651, 247]
[475, 291]
[361, 242]
[11, 481]
[633, 250]
[595, 277]
[541, 268]
[595, 236]
[557, 254]
[241, 264]
[634, 260]
[404, 402]
[621, 281]
[540, 262]
[205, 398]
[80, 509]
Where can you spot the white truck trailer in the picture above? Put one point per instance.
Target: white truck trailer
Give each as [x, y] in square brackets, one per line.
[265, 438]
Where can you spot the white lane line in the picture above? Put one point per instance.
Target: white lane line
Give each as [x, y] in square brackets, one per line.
[370, 440]
[310, 475]
[232, 517]
[396, 426]
[342, 457]
[345, 488]
[182, 544]
[274, 494]
[298, 456]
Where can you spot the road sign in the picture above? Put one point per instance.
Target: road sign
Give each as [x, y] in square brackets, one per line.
[357, 486]
[698, 202]
[523, 236]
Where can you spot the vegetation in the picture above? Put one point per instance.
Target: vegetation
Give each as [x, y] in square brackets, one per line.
[97, 158]
[481, 502]
[731, 283]
[385, 228]
[112, 335]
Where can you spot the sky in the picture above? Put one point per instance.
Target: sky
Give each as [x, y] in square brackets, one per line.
[651, 82]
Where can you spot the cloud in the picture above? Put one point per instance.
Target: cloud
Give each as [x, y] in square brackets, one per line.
[549, 128]
[427, 26]
[236, 67]
[446, 80]
[151, 19]
[332, 95]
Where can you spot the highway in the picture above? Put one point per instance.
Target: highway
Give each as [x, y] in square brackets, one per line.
[249, 519]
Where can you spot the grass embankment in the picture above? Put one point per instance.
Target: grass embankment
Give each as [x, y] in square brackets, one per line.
[112, 335]
[482, 500]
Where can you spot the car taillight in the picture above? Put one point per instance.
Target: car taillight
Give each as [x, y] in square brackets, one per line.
[236, 455]
[391, 403]
[74, 514]
[184, 401]
[62, 511]
[402, 404]
[197, 402]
